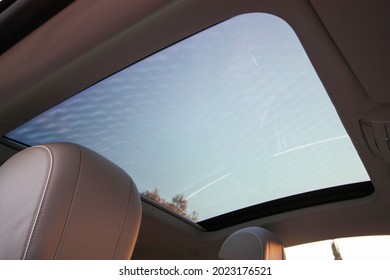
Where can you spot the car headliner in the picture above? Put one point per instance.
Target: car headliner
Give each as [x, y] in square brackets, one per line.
[347, 43]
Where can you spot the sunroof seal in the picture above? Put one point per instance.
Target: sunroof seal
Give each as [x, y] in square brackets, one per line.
[291, 203]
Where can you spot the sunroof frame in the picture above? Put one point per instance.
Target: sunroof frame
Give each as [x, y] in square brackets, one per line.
[277, 205]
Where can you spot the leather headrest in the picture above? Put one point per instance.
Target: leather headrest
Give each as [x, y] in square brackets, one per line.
[64, 201]
[252, 243]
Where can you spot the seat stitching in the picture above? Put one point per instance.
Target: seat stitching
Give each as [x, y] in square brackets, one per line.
[124, 218]
[37, 213]
[71, 206]
[260, 241]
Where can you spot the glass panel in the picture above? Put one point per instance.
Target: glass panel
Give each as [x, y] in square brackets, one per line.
[230, 117]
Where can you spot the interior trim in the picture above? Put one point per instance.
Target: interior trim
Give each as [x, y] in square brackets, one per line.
[20, 18]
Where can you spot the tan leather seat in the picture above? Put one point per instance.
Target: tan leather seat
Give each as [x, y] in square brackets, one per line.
[252, 243]
[64, 201]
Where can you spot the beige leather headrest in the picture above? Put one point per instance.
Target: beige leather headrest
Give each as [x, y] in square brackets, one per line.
[63, 201]
[252, 243]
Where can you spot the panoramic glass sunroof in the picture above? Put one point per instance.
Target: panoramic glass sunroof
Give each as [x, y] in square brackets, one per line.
[231, 117]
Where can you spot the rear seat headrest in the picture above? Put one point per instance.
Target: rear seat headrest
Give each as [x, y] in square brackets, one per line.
[252, 243]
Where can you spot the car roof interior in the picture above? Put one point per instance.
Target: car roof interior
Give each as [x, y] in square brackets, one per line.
[72, 45]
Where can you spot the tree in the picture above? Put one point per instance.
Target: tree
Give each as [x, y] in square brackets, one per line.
[155, 194]
[193, 217]
[178, 205]
[336, 251]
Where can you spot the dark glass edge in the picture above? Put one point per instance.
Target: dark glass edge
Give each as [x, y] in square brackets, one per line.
[291, 203]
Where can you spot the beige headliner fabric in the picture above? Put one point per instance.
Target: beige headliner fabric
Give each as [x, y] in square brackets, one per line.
[64, 201]
[252, 243]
